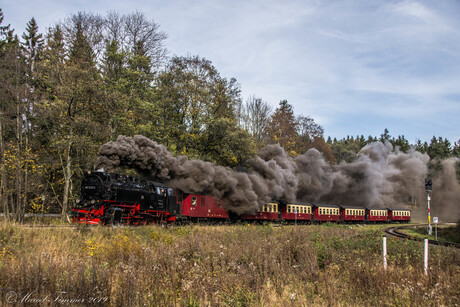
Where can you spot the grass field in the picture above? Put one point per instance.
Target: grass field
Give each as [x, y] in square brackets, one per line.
[445, 233]
[221, 266]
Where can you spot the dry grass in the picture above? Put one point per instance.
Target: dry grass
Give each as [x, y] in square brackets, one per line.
[222, 265]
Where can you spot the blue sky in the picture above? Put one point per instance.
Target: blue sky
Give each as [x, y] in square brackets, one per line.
[356, 67]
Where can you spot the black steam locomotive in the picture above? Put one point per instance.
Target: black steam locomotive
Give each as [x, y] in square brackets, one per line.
[119, 199]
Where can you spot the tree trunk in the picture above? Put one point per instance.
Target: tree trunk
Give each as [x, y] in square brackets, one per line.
[3, 194]
[18, 205]
[67, 175]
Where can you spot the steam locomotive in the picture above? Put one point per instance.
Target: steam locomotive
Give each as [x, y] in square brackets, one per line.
[114, 199]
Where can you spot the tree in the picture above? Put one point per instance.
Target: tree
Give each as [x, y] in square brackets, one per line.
[283, 127]
[319, 144]
[257, 119]
[7, 44]
[145, 35]
[385, 136]
[401, 143]
[197, 105]
[456, 149]
[70, 103]
[439, 148]
[33, 43]
[308, 130]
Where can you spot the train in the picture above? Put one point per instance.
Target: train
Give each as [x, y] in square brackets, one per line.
[115, 199]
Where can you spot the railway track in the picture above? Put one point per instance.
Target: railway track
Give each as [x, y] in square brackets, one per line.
[49, 226]
[394, 231]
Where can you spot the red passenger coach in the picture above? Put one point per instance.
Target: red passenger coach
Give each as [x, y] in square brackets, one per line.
[399, 215]
[377, 215]
[200, 207]
[269, 212]
[297, 212]
[353, 214]
[325, 213]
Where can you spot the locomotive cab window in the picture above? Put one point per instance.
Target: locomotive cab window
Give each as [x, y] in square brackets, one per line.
[194, 200]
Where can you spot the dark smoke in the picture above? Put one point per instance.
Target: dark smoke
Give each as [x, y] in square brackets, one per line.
[380, 177]
[446, 192]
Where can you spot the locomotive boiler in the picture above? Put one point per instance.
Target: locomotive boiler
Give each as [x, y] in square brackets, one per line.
[108, 198]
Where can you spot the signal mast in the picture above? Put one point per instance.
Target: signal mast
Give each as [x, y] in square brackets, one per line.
[428, 189]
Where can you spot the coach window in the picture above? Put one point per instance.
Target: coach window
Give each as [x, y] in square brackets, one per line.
[219, 204]
[194, 199]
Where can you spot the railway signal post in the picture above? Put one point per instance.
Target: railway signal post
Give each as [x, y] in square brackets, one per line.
[428, 189]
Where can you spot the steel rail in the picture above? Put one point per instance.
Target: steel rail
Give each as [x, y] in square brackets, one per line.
[393, 231]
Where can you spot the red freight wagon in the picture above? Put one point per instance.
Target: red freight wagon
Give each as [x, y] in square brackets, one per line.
[268, 212]
[353, 214]
[377, 215]
[297, 212]
[325, 213]
[203, 207]
[399, 215]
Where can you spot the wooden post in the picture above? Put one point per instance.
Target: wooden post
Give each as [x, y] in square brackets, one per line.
[385, 253]
[426, 257]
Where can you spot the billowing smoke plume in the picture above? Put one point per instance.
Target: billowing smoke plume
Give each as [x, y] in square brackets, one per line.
[380, 177]
[446, 192]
